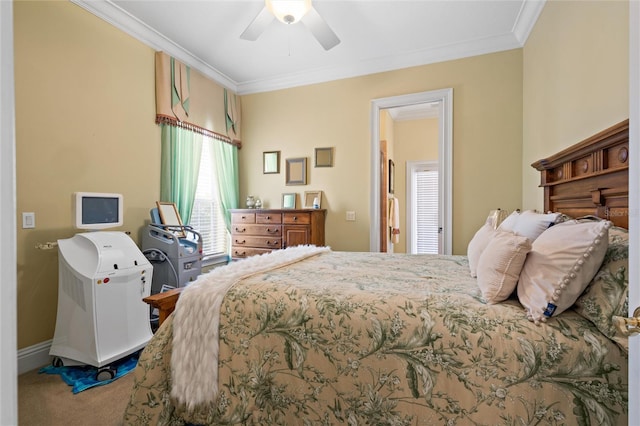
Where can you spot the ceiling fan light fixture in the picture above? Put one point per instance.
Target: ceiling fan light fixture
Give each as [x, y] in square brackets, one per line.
[288, 11]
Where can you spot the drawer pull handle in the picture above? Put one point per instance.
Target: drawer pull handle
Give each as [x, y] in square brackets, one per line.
[243, 254]
[241, 242]
[240, 230]
[272, 243]
[244, 217]
[268, 217]
[272, 231]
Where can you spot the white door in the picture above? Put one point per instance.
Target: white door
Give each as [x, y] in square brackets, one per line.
[424, 234]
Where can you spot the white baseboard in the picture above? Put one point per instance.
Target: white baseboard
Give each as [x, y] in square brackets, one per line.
[33, 357]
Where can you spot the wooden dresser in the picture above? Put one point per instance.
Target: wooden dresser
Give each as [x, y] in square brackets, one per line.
[256, 231]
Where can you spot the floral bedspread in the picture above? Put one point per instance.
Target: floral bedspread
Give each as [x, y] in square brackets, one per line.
[384, 339]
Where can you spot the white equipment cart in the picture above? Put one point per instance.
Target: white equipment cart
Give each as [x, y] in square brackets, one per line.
[101, 318]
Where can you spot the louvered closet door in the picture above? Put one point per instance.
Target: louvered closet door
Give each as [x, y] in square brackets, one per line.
[425, 235]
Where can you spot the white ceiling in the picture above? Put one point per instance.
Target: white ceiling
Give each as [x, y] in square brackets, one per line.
[376, 36]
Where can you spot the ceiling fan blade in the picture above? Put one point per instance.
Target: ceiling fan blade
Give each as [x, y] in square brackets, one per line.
[257, 27]
[319, 28]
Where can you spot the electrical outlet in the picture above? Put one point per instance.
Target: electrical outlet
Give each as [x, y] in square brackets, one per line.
[351, 216]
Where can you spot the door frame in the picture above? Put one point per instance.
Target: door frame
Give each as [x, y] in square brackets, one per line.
[444, 98]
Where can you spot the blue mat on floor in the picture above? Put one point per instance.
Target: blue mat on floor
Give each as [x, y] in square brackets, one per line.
[83, 377]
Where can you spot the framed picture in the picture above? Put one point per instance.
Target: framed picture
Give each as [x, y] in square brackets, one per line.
[169, 216]
[324, 157]
[289, 200]
[392, 168]
[296, 171]
[309, 196]
[271, 162]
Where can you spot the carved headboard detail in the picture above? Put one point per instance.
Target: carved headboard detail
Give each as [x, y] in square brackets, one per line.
[590, 177]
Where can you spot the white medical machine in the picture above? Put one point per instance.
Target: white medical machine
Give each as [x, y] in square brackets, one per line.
[102, 279]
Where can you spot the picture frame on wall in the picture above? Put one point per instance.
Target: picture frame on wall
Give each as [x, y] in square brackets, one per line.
[296, 173]
[271, 162]
[324, 157]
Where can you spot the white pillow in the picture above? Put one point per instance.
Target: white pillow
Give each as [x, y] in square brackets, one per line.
[477, 245]
[560, 265]
[528, 223]
[500, 265]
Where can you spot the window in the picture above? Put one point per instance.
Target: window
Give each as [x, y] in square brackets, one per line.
[206, 216]
[424, 231]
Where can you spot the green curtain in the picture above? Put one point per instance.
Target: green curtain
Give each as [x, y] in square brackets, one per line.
[180, 165]
[225, 157]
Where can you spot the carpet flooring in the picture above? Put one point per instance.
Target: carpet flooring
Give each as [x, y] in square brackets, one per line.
[46, 400]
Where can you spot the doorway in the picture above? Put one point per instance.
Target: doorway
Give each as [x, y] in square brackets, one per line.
[443, 100]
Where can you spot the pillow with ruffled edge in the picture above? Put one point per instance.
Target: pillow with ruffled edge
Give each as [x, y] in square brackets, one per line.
[607, 295]
[561, 263]
[529, 223]
[500, 265]
[477, 245]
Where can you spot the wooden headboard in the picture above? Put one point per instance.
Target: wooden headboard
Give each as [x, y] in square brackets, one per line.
[590, 177]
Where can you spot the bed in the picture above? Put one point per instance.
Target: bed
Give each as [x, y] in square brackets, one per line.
[311, 336]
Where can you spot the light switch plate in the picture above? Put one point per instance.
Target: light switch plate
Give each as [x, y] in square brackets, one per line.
[28, 220]
[351, 216]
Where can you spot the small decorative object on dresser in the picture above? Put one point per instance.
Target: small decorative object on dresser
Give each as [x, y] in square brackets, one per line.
[289, 200]
[256, 232]
[310, 198]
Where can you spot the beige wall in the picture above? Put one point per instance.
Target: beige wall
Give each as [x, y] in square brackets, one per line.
[576, 80]
[85, 110]
[415, 140]
[487, 140]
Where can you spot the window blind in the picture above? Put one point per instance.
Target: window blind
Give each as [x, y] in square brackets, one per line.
[426, 228]
[206, 216]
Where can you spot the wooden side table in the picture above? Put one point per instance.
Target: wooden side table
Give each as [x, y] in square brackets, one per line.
[165, 302]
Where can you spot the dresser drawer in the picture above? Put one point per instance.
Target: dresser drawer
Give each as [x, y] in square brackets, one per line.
[268, 218]
[248, 229]
[242, 252]
[296, 218]
[243, 217]
[270, 242]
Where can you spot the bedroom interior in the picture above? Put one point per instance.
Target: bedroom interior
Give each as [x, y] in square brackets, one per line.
[509, 111]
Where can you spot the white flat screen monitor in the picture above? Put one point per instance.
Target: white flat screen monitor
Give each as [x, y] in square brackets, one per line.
[97, 211]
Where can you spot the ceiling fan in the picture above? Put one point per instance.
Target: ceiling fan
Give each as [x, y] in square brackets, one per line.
[291, 12]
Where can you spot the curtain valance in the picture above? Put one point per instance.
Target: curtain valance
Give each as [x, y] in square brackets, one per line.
[187, 99]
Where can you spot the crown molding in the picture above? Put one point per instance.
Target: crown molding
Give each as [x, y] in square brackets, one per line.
[111, 13]
[527, 19]
[119, 18]
[416, 58]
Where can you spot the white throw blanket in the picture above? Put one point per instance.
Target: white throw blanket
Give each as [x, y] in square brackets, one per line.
[196, 320]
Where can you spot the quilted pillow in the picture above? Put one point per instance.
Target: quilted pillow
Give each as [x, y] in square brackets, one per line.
[529, 223]
[477, 245]
[561, 263]
[608, 293]
[500, 265]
